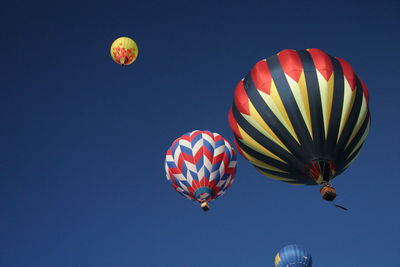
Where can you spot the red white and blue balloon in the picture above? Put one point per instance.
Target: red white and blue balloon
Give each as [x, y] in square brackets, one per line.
[201, 165]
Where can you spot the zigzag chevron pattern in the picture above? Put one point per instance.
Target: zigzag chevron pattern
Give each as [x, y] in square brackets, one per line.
[299, 109]
[201, 165]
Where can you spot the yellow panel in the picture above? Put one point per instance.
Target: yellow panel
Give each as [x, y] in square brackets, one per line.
[261, 164]
[304, 95]
[276, 177]
[294, 87]
[326, 94]
[257, 122]
[274, 102]
[360, 120]
[329, 102]
[319, 180]
[250, 142]
[348, 101]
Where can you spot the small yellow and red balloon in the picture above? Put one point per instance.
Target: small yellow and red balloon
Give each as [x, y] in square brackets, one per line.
[124, 51]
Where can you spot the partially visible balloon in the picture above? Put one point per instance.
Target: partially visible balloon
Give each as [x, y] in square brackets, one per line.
[201, 166]
[301, 116]
[124, 51]
[293, 256]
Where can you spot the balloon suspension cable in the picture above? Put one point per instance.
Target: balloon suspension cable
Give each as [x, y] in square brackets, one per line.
[205, 206]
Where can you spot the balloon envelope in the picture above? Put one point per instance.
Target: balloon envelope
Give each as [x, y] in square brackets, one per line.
[293, 256]
[300, 116]
[200, 165]
[124, 51]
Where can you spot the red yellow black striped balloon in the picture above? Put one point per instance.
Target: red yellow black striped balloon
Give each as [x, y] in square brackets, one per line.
[300, 116]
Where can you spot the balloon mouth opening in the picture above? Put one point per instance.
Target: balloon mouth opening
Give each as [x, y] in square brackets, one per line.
[124, 60]
[321, 170]
[203, 194]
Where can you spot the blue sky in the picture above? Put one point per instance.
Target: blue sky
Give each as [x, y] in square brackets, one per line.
[82, 143]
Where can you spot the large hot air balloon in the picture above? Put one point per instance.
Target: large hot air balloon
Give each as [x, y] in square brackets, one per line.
[293, 256]
[124, 51]
[301, 117]
[201, 166]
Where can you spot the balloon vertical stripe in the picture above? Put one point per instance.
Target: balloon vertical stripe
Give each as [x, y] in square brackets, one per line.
[297, 109]
[293, 256]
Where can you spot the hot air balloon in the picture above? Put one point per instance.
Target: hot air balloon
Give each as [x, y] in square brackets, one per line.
[301, 116]
[293, 256]
[124, 51]
[201, 166]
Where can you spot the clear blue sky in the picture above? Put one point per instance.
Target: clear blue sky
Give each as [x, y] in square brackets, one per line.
[82, 140]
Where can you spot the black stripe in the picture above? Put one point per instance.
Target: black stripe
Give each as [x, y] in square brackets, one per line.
[291, 107]
[355, 140]
[351, 121]
[265, 142]
[356, 153]
[273, 122]
[299, 178]
[263, 158]
[314, 99]
[336, 110]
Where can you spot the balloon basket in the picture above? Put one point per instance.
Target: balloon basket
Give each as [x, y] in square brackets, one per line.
[205, 206]
[328, 193]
